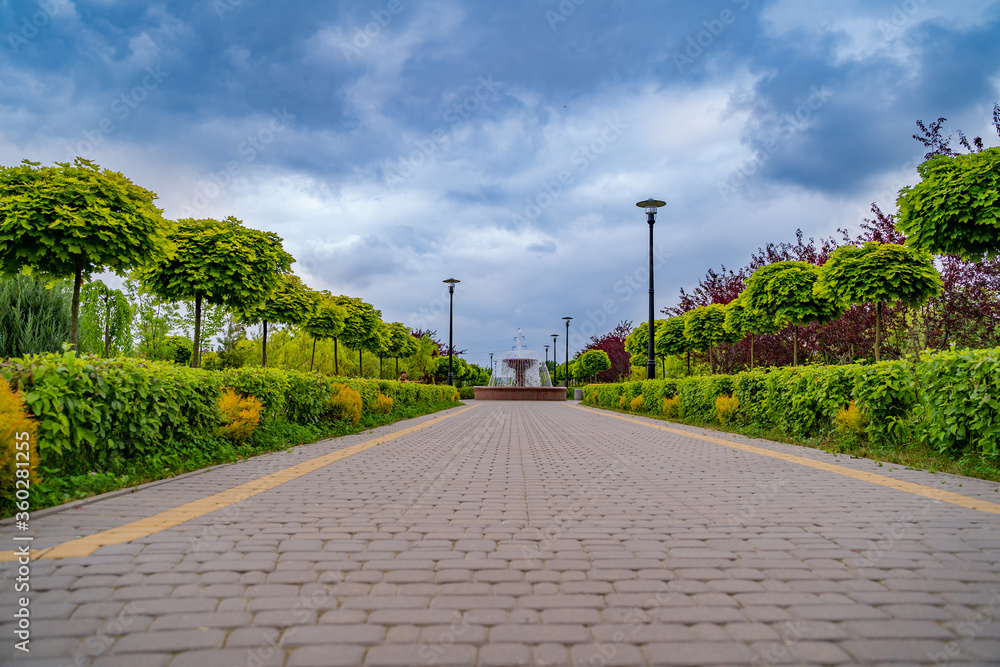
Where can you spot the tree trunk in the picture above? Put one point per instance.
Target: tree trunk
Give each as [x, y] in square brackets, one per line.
[795, 346]
[263, 347]
[313, 360]
[751, 351]
[74, 320]
[663, 365]
[689, 363]
[336, 366]
[397, 368]
[361, 359]
[711, 359]
[107, 329]
[878, 330]
[380, 373]
[196, 353]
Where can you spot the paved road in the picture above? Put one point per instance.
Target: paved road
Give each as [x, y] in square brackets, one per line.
[521, 534]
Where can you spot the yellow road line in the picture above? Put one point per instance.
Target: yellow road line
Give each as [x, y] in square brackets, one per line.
[85, 546]
[899, 485]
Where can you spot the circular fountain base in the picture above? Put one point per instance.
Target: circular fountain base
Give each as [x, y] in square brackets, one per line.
[520, 393]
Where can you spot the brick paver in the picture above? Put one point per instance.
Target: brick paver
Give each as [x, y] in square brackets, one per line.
[526, 534]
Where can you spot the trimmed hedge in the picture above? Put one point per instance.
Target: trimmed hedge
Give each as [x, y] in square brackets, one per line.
[93, 410]
[949, 399]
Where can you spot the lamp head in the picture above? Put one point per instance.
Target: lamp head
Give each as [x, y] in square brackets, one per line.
[650, 205]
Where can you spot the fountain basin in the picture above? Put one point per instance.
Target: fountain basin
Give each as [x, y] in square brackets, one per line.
[520, 393]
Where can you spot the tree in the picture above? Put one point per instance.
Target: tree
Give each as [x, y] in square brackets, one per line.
[326, 318]
[105, 320]
[290, 303]
[704, 328]
[362, 328]
[613, 343]
[73, 220]
[741, 321]
[670, 340]
[592, 362]
[782, 294]
[154, 319]
[220, 262]
[401, 342]
[637, 344]
[34, 319]
[876, 273]
[955, 209]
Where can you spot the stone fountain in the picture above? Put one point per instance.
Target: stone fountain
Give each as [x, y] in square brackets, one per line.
[520, 376]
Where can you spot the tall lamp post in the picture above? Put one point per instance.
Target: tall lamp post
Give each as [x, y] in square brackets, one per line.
[451, 282]
[555, 366]
[567, 350]
[546, 358]
[651, 205]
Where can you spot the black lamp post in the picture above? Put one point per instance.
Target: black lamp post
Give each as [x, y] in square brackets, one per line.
[651, 205]
[567, 349]
[451, 282]
[546, 358]
[555, 365]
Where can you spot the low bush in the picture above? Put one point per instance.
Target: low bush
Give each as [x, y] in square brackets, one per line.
[345, 405]
[383, 404]
[671, 407]
[18, 449]
[467, 393]
[240, 417]
[726, 409]
[636, 404]
[851, 424]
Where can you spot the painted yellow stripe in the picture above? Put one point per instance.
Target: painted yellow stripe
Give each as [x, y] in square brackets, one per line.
[85, 546]
[899, 485]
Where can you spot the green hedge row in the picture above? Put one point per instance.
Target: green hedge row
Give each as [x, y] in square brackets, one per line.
[949, 399]
[91, 409]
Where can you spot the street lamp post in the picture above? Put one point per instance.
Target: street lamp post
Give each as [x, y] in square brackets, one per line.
[451, 282]
[555, 365]
[567, 350]
[650, 205]
[546, 358]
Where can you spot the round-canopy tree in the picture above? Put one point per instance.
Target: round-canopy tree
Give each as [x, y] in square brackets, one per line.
[955, 209]
[363, 329]
[592, 362]
[401, 342]
[220, 262]
[877, 273]
[670, 339]
[106, 320]
[741, 321]
[704, 327]
[290, 303]
[782, 293]
[75, 219]
[325, 319]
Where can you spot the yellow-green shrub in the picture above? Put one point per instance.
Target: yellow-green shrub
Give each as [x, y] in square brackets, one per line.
[383, 404]
[240, 416]
[15, 426]
[851, 422]
[726, 408]
[345, 405]
[636, 403]
[671, 407]
[621, 401]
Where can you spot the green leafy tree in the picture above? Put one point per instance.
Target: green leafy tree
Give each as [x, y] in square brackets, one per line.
[637, 344]
[154, 319]
[219, 262]
[34, 318]
[75, 219]
[362, 329]
[742, 321]
[290, 303]
[955, 209]
[592, 362]
[401, 343]
[705, 327]
[782, 294]
[670, 340]
[878, 273]
[326, 320]
[105, 320]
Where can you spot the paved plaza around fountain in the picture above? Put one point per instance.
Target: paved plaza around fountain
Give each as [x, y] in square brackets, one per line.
[514, 533]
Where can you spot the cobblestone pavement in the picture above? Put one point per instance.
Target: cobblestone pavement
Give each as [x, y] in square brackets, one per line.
[525, 534]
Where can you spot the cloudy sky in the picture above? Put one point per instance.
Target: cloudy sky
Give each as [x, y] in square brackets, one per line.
[396, 143]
